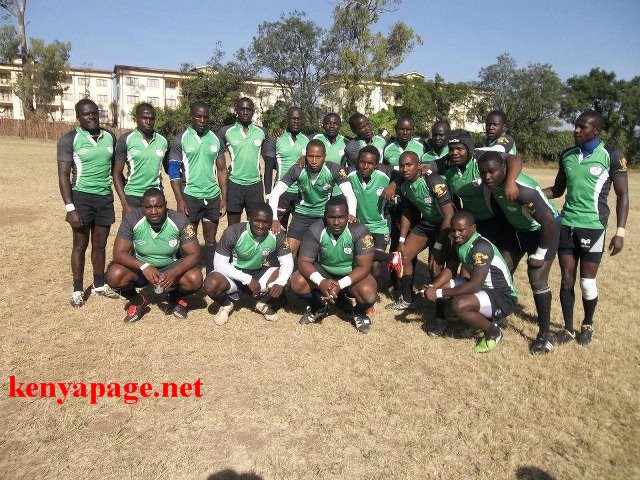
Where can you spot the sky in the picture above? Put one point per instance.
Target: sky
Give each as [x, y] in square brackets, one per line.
[460, 36]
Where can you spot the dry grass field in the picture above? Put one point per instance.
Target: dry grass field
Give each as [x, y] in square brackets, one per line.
[282, 401]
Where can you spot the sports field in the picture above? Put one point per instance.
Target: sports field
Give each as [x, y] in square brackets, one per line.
[282, 401]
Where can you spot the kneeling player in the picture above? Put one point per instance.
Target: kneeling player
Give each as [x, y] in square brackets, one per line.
[487, 294]
[145, 252]
[243, 260]
[334, 256]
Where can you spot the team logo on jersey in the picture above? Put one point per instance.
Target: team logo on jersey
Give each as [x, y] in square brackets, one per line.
[348, 250]
[342, 174]
[160, 153]
[379, 191]
[326, 186]
[110, 149]
[480, 259]
[428, 200]
[439, 189]
[367, 241]
[595, 170]
[173, 243]
[502, 140]
[189, 231]
[623, 165]
[214, 148]
[285, 244]
[257, 142]
[266, 252]
[341, 152]
[530, 207]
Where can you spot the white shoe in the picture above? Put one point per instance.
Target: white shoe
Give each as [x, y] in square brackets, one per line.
[77, 299]
[222, 316]
[105, 291]
[266, 310]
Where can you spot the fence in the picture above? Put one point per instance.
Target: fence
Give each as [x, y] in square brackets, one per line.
[39, 129]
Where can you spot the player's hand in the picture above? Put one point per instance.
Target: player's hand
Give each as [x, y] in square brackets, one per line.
[181, 206]
[275, 291]
[435, 266]
[426, 170]
[126, 208]
[389, 191]
[223, 207]
[74, 219]
[277, 132]
[276, 227]
[616, 244]
[429, 293]
[254, 286]
[153, 276]
[400, 248]
[535, 262]
[302, 161]
[329, 290]
[170, 278]
[352, 219]
[511, 191]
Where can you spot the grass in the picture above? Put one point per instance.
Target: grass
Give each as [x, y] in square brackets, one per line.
[282, 401]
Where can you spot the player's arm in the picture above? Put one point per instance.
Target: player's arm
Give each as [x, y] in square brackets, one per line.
[120, 159]
[269, 156]
[559, 185]
[621, 188]
[223, 173]
[123, 255]
[307, 255]
[285, 270]
[405, 224]
[175, 165]
[289, 179]
[65, 160]
[343, 182]
[482, 255]
[514, 168]
[224, 254]
[544, 215]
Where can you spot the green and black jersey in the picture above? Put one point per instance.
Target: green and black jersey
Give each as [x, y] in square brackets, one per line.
[247, 253]
[504, 144]
[157, 247]
[143, 159]
[91, 160]
[393, 150]
[244, 149]
[428, 195]
[370, 206]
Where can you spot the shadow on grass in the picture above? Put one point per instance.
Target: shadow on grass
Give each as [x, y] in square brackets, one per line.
[532, 473]
[229, 474]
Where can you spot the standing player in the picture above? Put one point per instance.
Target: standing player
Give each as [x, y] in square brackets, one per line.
[369, 182]
[403, 141]
[495, 128]
[586, 172]
[244, 141]
[537, 233]
[85, 159]
[196, 153]
[334, 256]
[289, 147]
[315, 181]
[143, 151]
[437, 146]
[361, 126]
[245, 260]
[487, 293]
[334, 142]
[146, 252]
[431, 197]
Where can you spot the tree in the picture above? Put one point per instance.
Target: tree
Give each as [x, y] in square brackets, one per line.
[299, 54]
[43, 66]
[430, 100]
[530, 97]
[365, 57]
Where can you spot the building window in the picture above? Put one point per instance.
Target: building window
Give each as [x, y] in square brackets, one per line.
[101, 82]
[153, 82]
[132, 82]
[103, 114]
[103, 98]
[132, 99]
[155, 101]
[68, 112]
[83, 81]
[171, 84]
[171, 103]
[67, 96]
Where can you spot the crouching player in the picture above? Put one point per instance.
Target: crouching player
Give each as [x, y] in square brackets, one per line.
[244, 260]
[336, 255]
[146, 252]
[487, 294]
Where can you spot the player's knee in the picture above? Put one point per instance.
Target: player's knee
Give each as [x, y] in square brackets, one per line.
[192, 280]
[298, 283]
[115, 275]
[457, 305]
[589, 288]
[213, 284]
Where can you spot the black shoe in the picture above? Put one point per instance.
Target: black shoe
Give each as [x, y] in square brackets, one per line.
[438, 327]
[586, 335]
[362, 322]
[136, 311]
[542, 344]
[180, 309]
[313, 316]
[565, 336]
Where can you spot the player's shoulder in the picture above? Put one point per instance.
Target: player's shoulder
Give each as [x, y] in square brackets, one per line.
[358, 230]
[133, 217]
[573, 150]
[179, 219]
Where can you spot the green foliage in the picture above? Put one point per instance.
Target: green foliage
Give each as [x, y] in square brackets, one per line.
[9, 43]
[365, 57]
[530, 97]
[275, 117]
[383, 119]
[617, 100]
[429, 101]
[299, 54]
